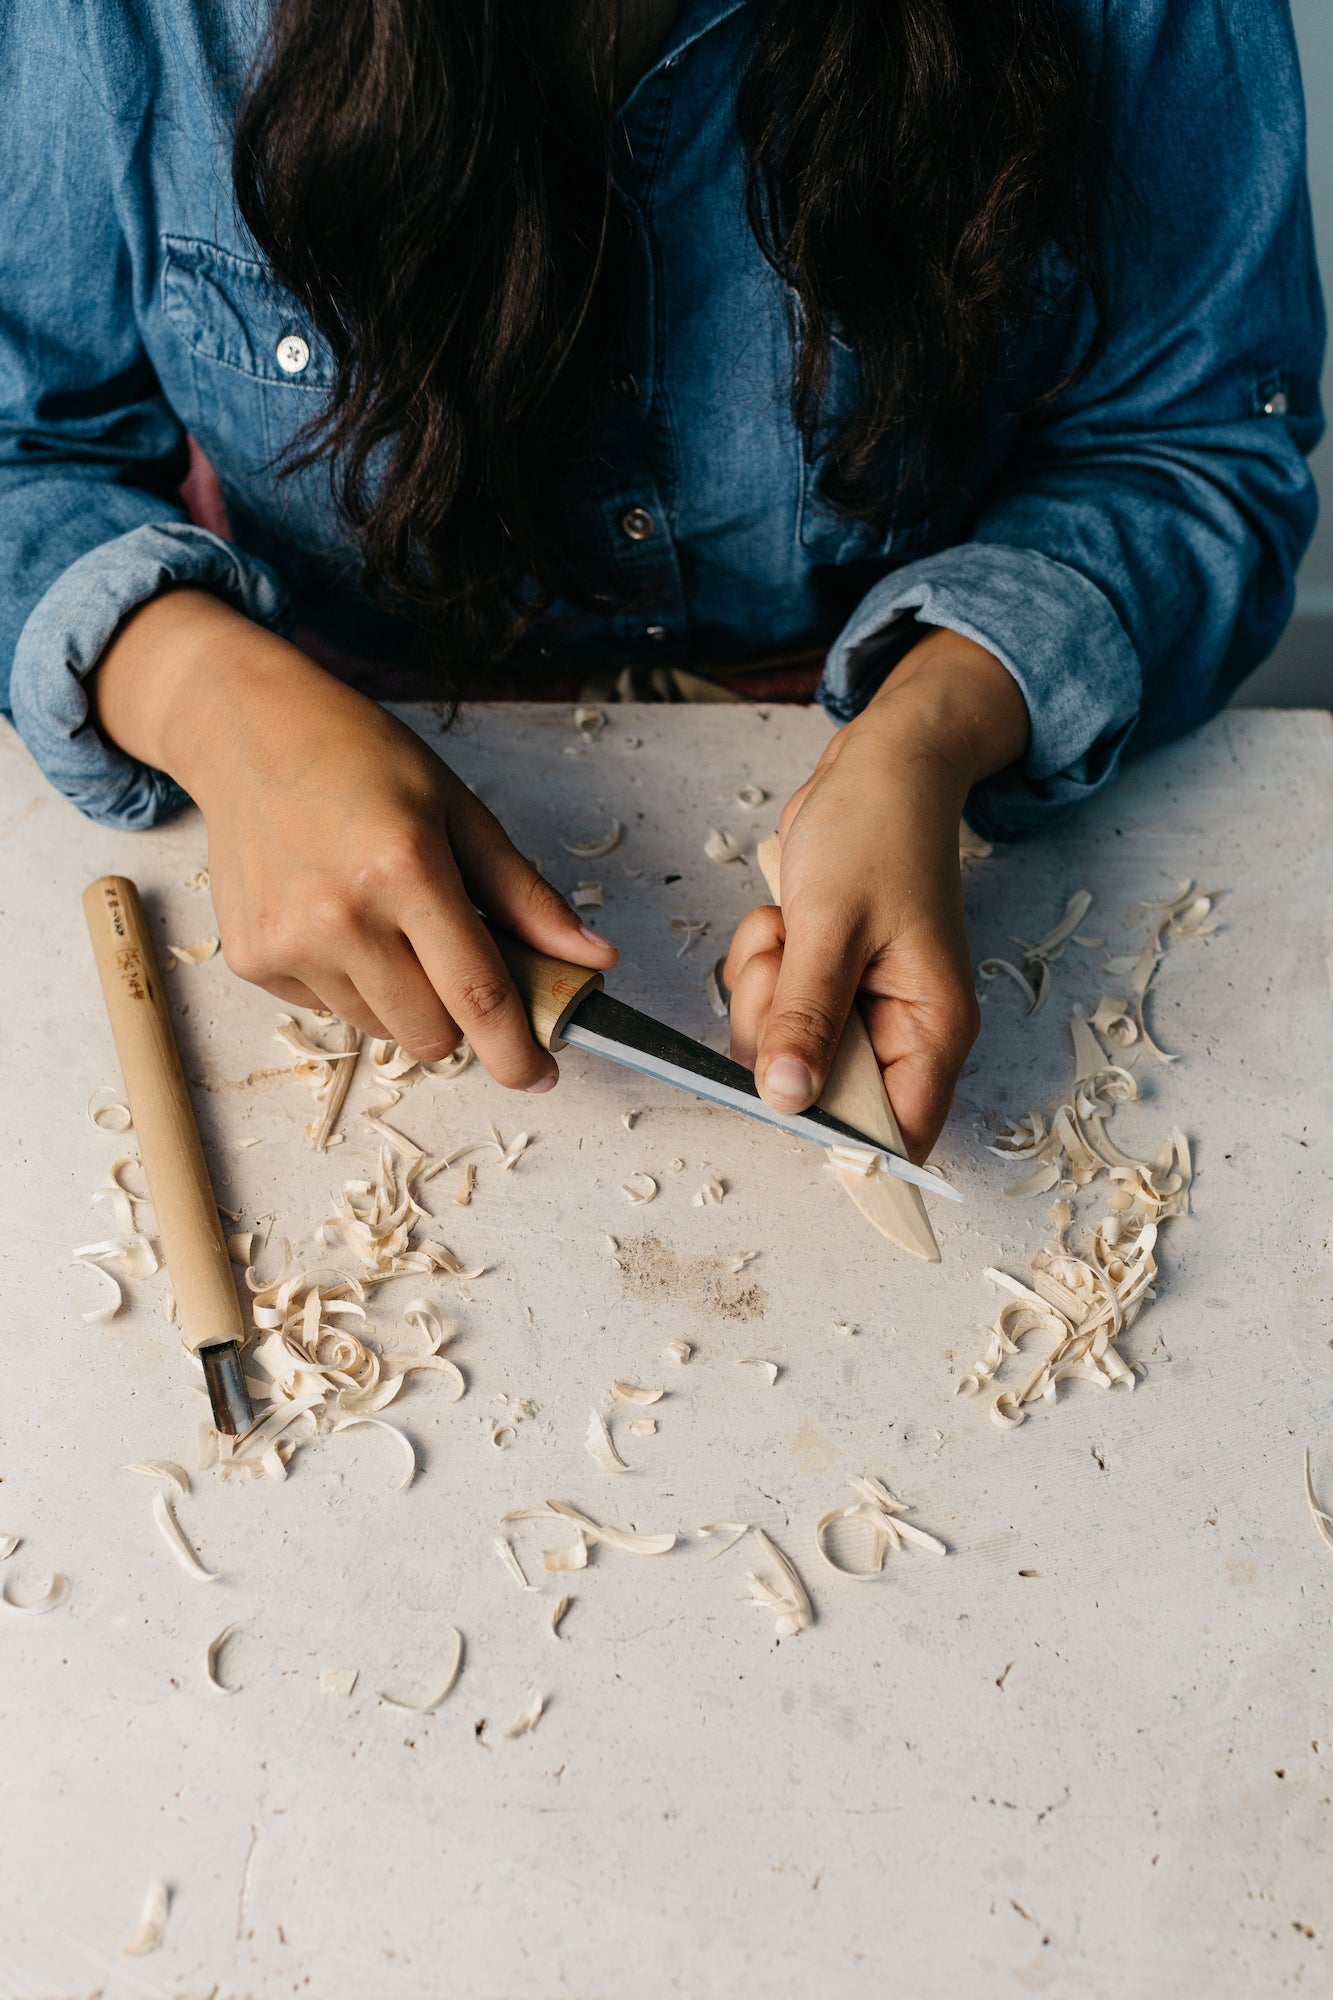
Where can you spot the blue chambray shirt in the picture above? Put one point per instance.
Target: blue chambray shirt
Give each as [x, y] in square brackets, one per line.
[1128, 551]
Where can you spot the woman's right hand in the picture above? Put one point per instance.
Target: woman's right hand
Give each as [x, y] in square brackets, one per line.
[347, 861]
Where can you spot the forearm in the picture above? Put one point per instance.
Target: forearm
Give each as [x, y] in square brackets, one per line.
[169, 681]
[957, 701]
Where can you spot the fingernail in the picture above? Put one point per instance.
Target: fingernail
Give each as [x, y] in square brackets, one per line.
[788, 1081]
[548, 1082]
[593, 937]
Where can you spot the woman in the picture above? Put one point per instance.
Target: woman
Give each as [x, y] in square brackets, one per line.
[973, 341]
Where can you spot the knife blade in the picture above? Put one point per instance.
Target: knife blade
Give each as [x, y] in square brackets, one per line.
[567, 1003]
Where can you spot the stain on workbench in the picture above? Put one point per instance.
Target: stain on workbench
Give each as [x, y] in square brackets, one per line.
[651, 1269]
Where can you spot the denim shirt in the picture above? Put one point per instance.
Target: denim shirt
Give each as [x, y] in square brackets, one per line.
[1127, 550]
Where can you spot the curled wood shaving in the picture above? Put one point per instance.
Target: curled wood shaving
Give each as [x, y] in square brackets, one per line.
[573, 1556]
[787, 1601]
[678, 1351]
[467, 1181]
[710, 1194]
[628, 1543]
[111, 1115]
[601, 1447]
[627, 1392]
[991, 968]
[732, 1529]
[587, 896]
[8, 1544]
[194, 954]
[166, 1471]
[590, 722]
[53, 1592]
[514, 1151]
[200, 880]
[451, 1674]
[844, 1326]
[502, 1436]
[526, 1721]
[751, 796]
[640, 1188]
[152, 1924]
[593, 850]
[971, 847]
[389, 1063]
[98, 1315]
[627, 1118]
[134, 1255]
[378, 1423]
[770, 1368]
[715, 992]
[881, 1511]
[643, 1427]
[339, 1680]
[211, 1661]
[454, 1065]
[1323, 1522]
[690, 928]
[721, 846]
[241, 1248]
[558, 1611]
[174, 1537]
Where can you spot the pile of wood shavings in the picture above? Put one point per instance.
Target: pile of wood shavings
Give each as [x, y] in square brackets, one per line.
[1085, 1303]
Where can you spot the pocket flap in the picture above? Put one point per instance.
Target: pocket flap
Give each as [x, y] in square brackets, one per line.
[232, 310]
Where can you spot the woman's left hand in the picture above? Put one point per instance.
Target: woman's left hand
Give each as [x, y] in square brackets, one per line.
[872, 893]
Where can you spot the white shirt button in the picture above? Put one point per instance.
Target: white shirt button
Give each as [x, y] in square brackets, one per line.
[293, 354]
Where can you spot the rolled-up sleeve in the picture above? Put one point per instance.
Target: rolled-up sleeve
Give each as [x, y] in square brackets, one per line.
[91, 456]
[1136, 557]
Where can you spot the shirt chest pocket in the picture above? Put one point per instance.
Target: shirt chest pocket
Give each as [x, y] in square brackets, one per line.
[258, 362]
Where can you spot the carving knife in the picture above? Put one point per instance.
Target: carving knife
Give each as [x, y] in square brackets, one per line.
[567, 1004]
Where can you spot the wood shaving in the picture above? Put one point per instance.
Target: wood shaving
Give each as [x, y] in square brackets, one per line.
[558, 1611]
[389, 1063]
[53, 1592]
[1034, 979]
[454, 1065]
[166, 1471]
[844, 1326]
[504, 1548]
[600, 1447]
[573, 1556]
[590, 722]
[8, 1544]
[378, 1423]
[992, 968]
[451, 1674]
[514, 1151]
[678, 1351]
[751, 796]
[339, 1680]
[639, 1188]
[770, 1368]
[211, 1661]
[194, 954]
[732, 1529]
[174, 1537]
[690, 928]
[241, 1248]
[715, 992]
[738, 1263]
[111, 1115]
[200, 880]
[502, 1436]
[971, 847]
[788, 1601]
[630, 1544]
[627, 1118]
[98, 1315]
[643, 1427]
[587, 896]
[467, 1181]
[1323, 1522]
[627, 1392]
[526, 1721]
[722, 847]
[593, 850]
[710, 1194]
[134, 1255]
[880, 1511]
[152, 1924]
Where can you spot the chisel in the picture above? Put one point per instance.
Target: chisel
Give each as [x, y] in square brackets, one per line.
[568, 1004]
[193, 1246]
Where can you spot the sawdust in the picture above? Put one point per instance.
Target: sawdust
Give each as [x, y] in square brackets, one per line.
[650, 1269]
[259, 1080]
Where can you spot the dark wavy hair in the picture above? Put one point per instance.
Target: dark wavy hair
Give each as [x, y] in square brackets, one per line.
[432, 180]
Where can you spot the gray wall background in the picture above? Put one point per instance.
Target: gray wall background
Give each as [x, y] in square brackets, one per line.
[1300, 673]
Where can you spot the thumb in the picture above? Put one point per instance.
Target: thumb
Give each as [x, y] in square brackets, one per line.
[821, 970]
[507, 887]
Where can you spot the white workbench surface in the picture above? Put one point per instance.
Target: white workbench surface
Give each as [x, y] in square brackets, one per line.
[1142, 1809]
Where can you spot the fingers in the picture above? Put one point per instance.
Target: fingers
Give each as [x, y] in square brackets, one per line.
[822, 963]
[395, 989]
[922, 1056]
[751, 976]
[511, 892]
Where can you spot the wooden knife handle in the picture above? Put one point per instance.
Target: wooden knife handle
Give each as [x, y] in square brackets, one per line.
[193, 1246]
[550, 988]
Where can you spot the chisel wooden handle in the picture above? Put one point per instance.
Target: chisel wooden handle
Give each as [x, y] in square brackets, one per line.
[193, 1246]
[855, 1093]
[550, 988]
